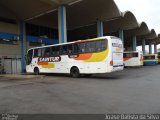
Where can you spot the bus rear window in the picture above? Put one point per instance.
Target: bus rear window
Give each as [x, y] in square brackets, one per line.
[130, 55]
[92, 46]
[149, 57]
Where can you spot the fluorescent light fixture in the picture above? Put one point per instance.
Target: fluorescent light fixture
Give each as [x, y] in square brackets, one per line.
[49, 11]
[115, 18]
[6, 40]
[75, 2]
[39, 15]
[29, 19]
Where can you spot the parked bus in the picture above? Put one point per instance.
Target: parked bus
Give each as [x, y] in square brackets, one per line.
[86, 57]
[151, 59]
[133, 58]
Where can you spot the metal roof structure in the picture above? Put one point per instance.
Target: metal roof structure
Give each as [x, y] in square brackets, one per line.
[45, 11]
[126, 21]
[80, 13]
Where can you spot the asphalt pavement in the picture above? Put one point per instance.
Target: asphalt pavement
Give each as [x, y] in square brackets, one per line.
[134, 90]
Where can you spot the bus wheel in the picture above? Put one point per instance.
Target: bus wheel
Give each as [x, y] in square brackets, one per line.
[75, 72]
[36, 71]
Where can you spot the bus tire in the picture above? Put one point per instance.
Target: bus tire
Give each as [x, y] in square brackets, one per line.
[74, 72]
[36, 71]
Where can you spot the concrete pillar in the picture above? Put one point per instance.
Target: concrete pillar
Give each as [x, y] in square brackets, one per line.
[150, 48]
[62, 27]
[144, 46]
[23, 43]
[99, 28]
[121, 35]
[134, 40]
[155, 48]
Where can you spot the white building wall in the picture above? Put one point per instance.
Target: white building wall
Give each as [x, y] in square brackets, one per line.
[10, 51]
[8, 28]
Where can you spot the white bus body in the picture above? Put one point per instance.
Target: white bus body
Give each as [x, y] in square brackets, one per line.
[133, 58]
[99, 55]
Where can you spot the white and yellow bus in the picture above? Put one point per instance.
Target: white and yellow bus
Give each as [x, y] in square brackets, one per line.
[133, 58]
[151, 59]
[92, 56]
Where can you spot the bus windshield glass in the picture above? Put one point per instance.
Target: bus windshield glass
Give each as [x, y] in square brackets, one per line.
[130, 55]
[149, 57]
[29, 57]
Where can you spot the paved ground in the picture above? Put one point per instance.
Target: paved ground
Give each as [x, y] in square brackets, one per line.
[134, 90]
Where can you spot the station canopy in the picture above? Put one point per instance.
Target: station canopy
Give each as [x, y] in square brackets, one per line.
[157, 40]
[126, 21]
[44, 12]
[79, 14]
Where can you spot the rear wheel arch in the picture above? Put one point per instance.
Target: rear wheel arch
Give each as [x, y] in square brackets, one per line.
[75, 72]
[36, 71]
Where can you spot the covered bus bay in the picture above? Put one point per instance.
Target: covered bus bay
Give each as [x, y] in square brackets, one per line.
[28, 23]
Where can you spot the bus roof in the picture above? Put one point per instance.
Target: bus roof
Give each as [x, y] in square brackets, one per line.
[99, 38]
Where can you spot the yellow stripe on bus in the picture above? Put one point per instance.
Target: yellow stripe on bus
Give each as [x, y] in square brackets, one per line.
[48, 66]
[98, 57]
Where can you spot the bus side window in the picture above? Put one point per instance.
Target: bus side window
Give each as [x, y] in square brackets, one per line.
[129, 55]
[98, 45]
[43, 50]
[53, 51]
[90, 46]
[70, 49]
[38, 52]
[35, 52]
[57, 50]
[75, 48]
[81, 47]
[46, 52]
[104, 44]
[64, 49]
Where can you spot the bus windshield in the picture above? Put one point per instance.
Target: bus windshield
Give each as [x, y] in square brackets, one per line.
[130, 55]
[149, 57]
[29, 57]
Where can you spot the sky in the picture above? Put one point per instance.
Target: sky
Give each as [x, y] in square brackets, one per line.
[144, 10]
